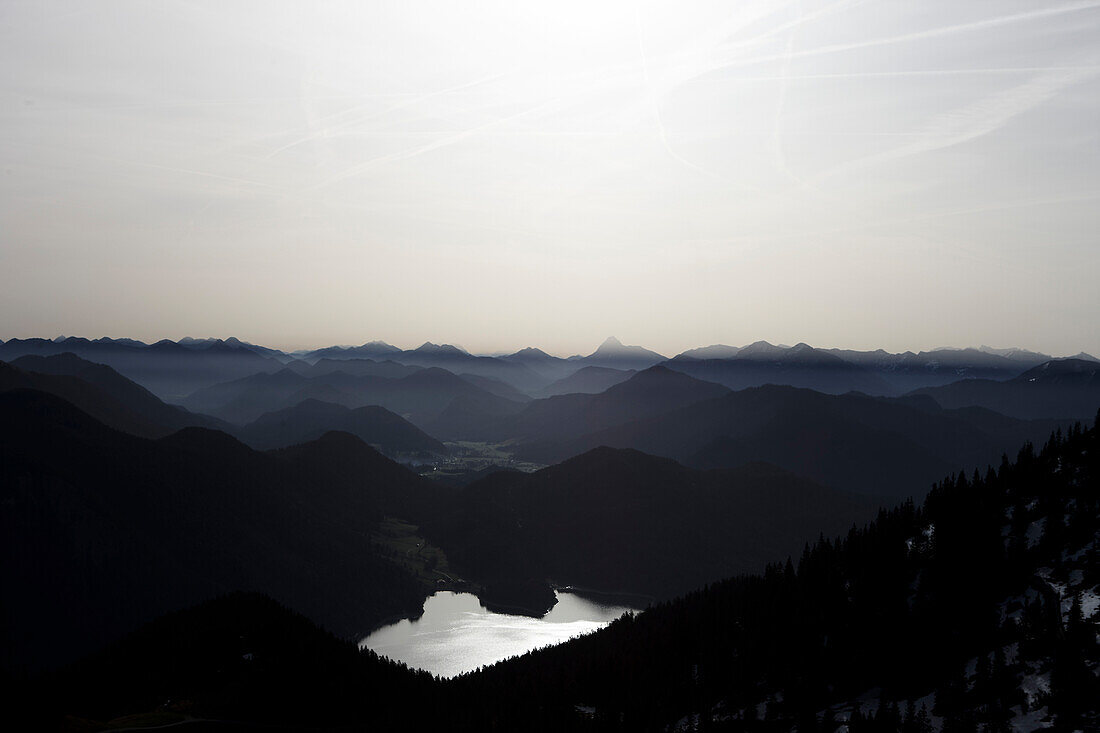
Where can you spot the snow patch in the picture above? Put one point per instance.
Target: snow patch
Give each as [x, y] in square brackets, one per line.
[1035, 686]
[1090, 602]
[1035, 531]
[1031, 721]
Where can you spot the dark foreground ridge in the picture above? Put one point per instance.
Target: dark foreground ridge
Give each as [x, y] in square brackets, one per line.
[975, 610]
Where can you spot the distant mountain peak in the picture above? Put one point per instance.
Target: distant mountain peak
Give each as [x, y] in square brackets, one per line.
[1060, 366]
[429, 348]
[531, 351]
[378, 344]
[613, 352]
[761, 348]
[613, 347]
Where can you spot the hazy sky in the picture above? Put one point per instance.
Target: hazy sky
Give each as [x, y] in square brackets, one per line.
[497, 174]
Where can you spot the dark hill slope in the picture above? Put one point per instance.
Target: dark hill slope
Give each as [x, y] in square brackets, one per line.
[90, 398]
[241, 657]
[496, 387]
[102, 531]
[1061, 388]
[110, 397]
[620, 520]
[128, 394]
[359, 473]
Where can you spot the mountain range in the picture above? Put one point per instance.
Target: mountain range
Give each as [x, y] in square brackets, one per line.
[173, 370]
[882, 447]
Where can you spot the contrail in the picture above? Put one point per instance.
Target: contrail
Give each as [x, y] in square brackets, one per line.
[915, 36]
[327, 131]
[990, 71]
[444, 142]
[661, 131]
[977, 119]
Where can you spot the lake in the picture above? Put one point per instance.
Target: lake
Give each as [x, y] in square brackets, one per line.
[456, 634]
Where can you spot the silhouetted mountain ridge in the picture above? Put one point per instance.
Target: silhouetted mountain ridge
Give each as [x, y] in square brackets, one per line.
[853, 441]
[310, 419]
[103, 530]
[102, 392]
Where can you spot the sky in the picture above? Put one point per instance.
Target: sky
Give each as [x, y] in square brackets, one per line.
[854, 174]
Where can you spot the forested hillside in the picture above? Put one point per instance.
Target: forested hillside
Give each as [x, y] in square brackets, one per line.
[976, 608]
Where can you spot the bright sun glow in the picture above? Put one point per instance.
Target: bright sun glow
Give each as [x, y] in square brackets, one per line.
[491, 172]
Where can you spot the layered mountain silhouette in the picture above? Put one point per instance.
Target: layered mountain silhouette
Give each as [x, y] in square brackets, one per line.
[103, 530]
[101, 392]
[1058, 388]
[311, 419]
[550, 368]
[496, 387]
[173, 370]
[587, 380]
[420, 397]
[879, 446]
[648, 392]
[355, 367]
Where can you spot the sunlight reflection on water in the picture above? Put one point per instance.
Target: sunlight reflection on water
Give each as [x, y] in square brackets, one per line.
[456, 634]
